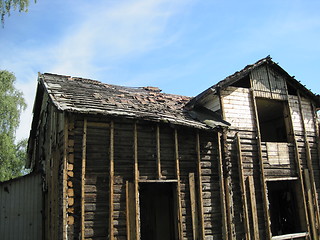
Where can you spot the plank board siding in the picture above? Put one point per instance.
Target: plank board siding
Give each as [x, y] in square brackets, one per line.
[238, 108]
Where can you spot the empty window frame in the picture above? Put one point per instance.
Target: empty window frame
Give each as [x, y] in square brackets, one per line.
[273, 120]
[286, 207]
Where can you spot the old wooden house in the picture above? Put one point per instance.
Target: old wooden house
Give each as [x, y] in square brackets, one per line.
[238, 161]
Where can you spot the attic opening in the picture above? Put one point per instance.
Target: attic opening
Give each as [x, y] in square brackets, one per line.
[157, 211]
[243, 83]
[273, 120]
[286, 207]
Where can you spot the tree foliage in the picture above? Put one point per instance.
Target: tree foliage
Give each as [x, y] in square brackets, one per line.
[7, 5]
[12, 156]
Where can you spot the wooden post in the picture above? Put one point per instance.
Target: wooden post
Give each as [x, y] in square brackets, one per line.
[194, 210]
[222, 191]
[314, 199]
[243, 189]
[227, 179]
[262, 176]
[83, 171]
[253, 208]
[201, 212]
[299, 170]
[111, 181]
[158, 153]
[310, 204]
[64, 176]
[136, 182]
[179, 210]
[130, 211]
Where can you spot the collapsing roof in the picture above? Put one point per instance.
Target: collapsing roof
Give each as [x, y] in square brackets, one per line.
[87, 96]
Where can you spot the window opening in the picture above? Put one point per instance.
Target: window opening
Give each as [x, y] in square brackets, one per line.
[157, 215]
[273, 120]
[286, 207]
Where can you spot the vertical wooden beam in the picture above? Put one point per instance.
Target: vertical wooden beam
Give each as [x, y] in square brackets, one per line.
[128, 220]
[111, 181]
[201, 212]
[64, 176]
[253, 208]
[194, 209]
[262, 175]
[314, 199]
[310, 204]
[158, 153]
[227, 179]
[136, 182]
[130, 211]
[243, 189]
[179, 210]
[222, 191]
[228, 188]
[83, 173]
[299, 170]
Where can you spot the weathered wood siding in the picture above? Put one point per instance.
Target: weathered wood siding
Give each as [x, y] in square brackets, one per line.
[267, 83]
[238, 108]
[97, 167]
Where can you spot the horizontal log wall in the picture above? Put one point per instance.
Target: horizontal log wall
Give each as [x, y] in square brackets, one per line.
[96, 183]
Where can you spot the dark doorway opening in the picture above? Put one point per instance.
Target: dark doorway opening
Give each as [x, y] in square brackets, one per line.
[157, 211]
[286, 207]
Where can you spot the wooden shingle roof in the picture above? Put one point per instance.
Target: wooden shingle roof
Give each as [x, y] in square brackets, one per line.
[87, 96]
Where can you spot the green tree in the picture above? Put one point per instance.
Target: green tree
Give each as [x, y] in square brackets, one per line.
[7, 5]
[12, 156]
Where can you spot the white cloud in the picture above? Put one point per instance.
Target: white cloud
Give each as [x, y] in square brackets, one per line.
[110, 34]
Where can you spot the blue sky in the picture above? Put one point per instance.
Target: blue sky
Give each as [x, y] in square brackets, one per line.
[180, 46]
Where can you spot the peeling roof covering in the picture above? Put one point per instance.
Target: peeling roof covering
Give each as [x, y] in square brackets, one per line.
[87, 96]
[244, 72]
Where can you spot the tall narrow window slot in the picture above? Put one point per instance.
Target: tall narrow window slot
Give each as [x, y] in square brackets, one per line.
[273, 120]
[157, 215]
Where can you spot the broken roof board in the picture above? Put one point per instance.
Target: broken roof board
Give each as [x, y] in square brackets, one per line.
[92, 97]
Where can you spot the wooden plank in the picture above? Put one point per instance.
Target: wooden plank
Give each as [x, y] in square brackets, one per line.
[179, 206]
[314, 199]
[201, 216]
[98, 124]
[299, 169]
[227, 187]
[158, 181]
[111, 181]
[310, 205]
[136, 181]
[222, 191]
[64, 176]
[130, 211]
[83, 173]
[158, 152]
[262, 174]
[253, 208]
[243, 189]
[292, 236]
[194, 210]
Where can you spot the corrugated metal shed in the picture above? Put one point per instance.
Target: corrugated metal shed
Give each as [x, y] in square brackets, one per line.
[21, 208]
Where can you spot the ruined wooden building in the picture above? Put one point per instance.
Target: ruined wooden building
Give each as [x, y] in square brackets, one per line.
[238, 161]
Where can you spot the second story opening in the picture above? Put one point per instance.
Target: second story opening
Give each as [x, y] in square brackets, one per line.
[273, 120]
